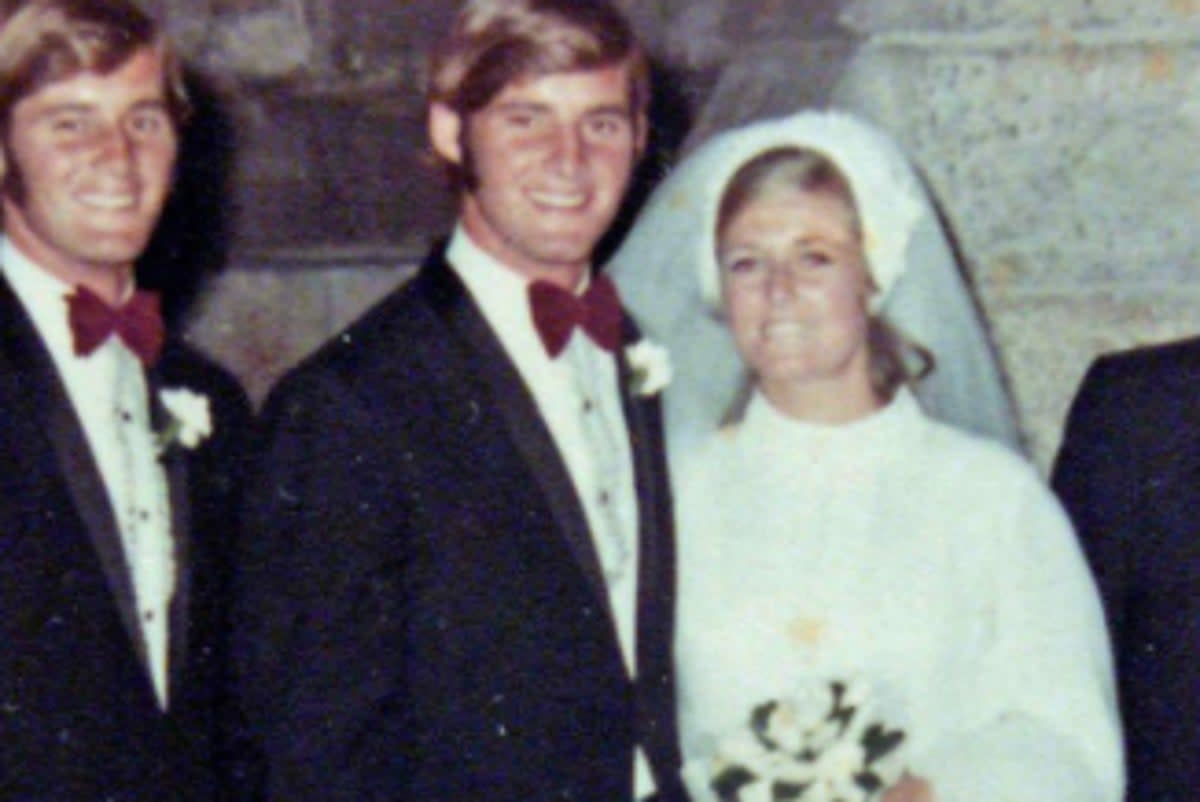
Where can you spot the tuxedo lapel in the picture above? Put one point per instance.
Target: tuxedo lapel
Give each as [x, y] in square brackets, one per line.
[175, 466]
[49, 404]
[655, 555]
[656, 718]
[525, 426]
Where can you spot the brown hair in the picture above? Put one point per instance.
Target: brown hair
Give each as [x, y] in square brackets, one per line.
[895, 360]
[495, 42]
[44, 41]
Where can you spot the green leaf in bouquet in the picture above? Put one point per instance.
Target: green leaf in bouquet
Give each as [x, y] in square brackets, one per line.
[840, 713]
[730, 781]
[877, 742]
[787, 792]
[760, 722]
[869, 781]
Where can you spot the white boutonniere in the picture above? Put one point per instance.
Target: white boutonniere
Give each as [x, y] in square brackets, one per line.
[651, 367]
[191, 418]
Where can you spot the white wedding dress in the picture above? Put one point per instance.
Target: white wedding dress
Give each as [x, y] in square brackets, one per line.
[929, 564]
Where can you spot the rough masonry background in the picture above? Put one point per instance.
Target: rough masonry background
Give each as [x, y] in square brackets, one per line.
[1059, 138]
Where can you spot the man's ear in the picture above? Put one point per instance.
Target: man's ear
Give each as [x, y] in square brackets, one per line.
[445, 128]
[642, 130]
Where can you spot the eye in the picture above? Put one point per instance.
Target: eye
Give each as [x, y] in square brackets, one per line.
[816, 258]
[522, 119]
[68, 124]
[744, 266]
[608, 126]
[150, 122]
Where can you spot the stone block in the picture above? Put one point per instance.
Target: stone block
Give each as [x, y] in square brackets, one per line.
[1056, 166]
[880, 16]
[260, 323]
[1048, 340]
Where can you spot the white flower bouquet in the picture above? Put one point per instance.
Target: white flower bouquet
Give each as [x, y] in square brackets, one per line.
[823, 746]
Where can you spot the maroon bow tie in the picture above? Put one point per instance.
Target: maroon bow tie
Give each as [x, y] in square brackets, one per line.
[138, 323]
[556, 313]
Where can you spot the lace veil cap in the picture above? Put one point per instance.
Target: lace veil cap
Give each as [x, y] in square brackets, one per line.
[667, 271]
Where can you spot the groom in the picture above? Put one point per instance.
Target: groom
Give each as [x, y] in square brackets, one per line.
[460, 584]
[116, 449]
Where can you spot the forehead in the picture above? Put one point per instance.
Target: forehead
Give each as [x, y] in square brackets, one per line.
[785, 206]
[600, 88]
[139, 79]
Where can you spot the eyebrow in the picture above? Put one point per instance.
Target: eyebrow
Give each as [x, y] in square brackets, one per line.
[607, 109]
[84, 107]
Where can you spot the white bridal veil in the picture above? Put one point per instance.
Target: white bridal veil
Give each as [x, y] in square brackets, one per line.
[660, 266]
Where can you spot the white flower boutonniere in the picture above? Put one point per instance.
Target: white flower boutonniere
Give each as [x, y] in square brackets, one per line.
[824, 746]
[651, 366]
[191, 418]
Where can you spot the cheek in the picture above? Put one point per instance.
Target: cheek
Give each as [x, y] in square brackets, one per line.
[158, 166]
[847, 307]
[743, 317]
[617, 165]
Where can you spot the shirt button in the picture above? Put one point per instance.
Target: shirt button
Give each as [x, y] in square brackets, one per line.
[588, 406]
[604, 498]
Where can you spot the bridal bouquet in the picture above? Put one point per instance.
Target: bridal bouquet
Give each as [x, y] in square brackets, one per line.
[824, 746]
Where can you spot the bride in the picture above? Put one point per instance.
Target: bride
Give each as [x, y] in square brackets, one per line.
[858, 580]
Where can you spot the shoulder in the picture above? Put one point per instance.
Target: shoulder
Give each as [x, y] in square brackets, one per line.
[973, 466]
[184, 366]
[1147, 368]
[389, 338]
[1142, 392]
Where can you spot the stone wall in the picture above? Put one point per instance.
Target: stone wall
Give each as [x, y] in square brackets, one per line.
[1058, 138]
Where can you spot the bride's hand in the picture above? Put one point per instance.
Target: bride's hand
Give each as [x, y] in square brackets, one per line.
[909, 789]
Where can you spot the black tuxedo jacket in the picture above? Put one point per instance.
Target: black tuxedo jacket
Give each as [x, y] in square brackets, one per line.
[78, 717]
[1129, 475]
[425, 613]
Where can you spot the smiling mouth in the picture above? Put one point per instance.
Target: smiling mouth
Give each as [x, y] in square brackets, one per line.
[786, 331]
[110, 202]
[567, 201]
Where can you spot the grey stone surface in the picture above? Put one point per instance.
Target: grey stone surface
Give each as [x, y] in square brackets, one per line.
[1049, 339]
[1046, 18]
[1055, 165]
[260, 323]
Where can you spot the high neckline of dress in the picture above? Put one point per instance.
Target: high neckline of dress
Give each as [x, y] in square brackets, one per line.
[769, 425]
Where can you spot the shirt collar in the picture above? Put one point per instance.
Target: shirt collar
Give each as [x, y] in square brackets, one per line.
[43, 295]
[500, 291]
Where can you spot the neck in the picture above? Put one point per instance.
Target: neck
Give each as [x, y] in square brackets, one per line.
[111, 281]
[115, 288]
[824, 401]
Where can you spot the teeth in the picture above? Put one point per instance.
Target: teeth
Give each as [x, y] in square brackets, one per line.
[559, 200]
[109, 202]
[784, 330]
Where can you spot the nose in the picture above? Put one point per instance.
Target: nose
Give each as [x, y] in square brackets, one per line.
[781, 283]
[115, 147]
[570, 150]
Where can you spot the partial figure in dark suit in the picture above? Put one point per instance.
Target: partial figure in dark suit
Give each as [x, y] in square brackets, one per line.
[460, 573]
[1129, 475]
[116, 451]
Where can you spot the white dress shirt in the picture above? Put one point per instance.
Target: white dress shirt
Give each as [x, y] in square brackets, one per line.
[109, 394]
[579, 398]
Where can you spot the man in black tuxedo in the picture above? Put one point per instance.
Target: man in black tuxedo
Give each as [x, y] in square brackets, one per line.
[116, 452]
[460, 576]
[1129, 475]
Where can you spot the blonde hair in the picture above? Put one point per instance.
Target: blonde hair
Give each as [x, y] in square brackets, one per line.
[44, 41]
